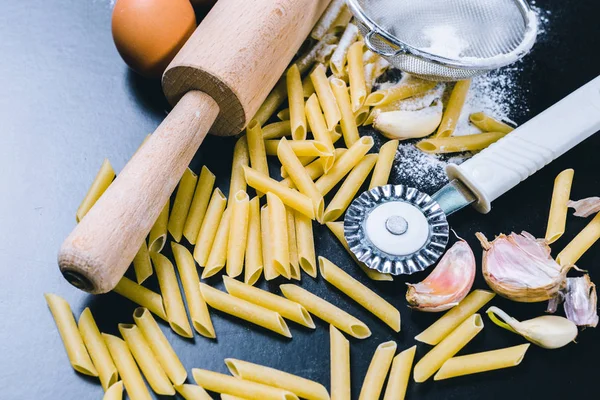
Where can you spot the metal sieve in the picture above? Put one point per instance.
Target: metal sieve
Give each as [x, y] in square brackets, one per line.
[420, 36]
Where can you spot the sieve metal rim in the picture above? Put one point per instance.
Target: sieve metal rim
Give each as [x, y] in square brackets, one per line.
[472, 63]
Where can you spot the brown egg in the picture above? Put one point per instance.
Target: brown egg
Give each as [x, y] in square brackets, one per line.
[148, 33]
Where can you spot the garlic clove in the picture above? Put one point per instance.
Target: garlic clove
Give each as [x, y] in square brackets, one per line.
[581, 301]
[547, 331]
[585, 207]
[520, 267]
[448, 283]
[402, 124]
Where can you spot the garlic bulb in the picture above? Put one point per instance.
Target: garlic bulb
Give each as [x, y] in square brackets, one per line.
[402, 124]
[520, 268]
[448, 283]
[580, 301]
[548, 331]
[585, 207]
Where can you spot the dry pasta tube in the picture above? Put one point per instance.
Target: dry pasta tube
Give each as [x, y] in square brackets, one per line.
[581, 243]
[160, 346]
[182, 203]
[454, 317]
[142, 264]
[344, 164]
[292, 246]
[284, 115]
[337, 228]
[455, 144]
[158, 233]
[192, 392]
[348, 121]
[230, 397]
[241, 159]
[277, 130]
[361, 115]
[315, 169]
[128, 370]
[306, 244]
[256, 147]
[338, 58]
[190, 281]
[218, 252]
[254, 259]
[447, 348]
[290, 197]
[286, 308]
[558, 207]
[482, 362]
[199, 205]
[114, 392]
[210, 225]
[316, 121]
[328, 19]
[341, 21]
[238, 234]
[349, 188]
[141, 296]
[399, 375]
[74, 345]
[489, 124]
[378, 370]
[402, 91]
[245, 310]
[296, 103]
[326, 311]
[265, 236]
[308, 89]
[102, 181]
[325, 96]
[272, 102]
[146, 360]
[278, 235]
[92, 338]
[453, 109]
[304, 161]
[356, 75]
[301, 387]
[221, 383]
[302, 148]
[339, 364]
[360, 293]
[381, 173]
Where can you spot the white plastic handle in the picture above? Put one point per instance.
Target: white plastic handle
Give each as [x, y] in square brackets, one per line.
[530, 147]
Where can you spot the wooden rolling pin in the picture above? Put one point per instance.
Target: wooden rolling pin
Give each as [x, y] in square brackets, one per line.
[218, 81]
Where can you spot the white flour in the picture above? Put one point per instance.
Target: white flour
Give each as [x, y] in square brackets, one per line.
[444, 41]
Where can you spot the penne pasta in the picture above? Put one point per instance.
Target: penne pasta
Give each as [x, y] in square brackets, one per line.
[402, 91]
[210, 225]
[300, 176]
[385, 161]
[128, 370]
[275, 99]
[99, 354]
[221, 383]
[326, 311]
[158, 233]
[296, 103]
[256, 147]
[308, 89]
[278, 235]
[169, 287]
[67, 328]
[453, 109]
[557, 219]
[286, 308]
[241, 159]
[447, 348]
[302, 148]
[284, 115]
[146, 360]
[581, 243]
[303, 160]
[344, 164]
[102, 181]
[489, 124]
[182, 203]
[361, 115]
[254, 259]
[301, 387]
[306, 244]
[292, 245]
[339, 365]
[290, 197]
[190, 281]
[325, 96]
[378, 370]
[218, 253]
[455, 144]
[238, 234]
[316, 121]
[230, 397]
[314, 169]
[399, 375]
[349, 188]
[141, 296]
[348, 121]
[339, 56]
[482, 362]
[199, 205]
[245, 310]
[328, 19]
[454, 317]
[360, 293]
[142, 264]
[356, 75]
[341, 21]
[277, 130]
[265, 236]
[308, 59]
[160, 346]
[337, 228]
[114, 392]
[192, 392]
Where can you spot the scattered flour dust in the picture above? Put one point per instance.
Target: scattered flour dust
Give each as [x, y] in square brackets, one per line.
[444, 41]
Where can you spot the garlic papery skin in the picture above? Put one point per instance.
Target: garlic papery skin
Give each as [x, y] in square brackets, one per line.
[547, 331]
[581, 301]
[520, 268]
[448, 283]
[585, 207]
[402, 124]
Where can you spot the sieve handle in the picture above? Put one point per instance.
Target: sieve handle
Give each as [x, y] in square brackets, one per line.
[371, 46]
[530, 147]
